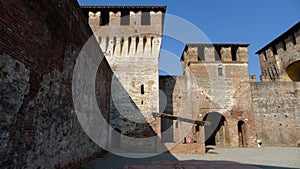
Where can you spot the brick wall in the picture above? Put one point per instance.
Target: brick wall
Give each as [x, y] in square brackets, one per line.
[39, 44]
[276, 112]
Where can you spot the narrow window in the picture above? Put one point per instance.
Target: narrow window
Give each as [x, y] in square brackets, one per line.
[145, 20]
[220, 71]
[125, 18]
[142, 89]
[104, 19]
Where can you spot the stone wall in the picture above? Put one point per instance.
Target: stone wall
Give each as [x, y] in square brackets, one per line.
[39, 45]
[276, 112]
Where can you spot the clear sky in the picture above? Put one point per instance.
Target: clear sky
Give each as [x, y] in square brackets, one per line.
[224, 21]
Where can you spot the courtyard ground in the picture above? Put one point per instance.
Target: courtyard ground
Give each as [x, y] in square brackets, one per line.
[240, 158]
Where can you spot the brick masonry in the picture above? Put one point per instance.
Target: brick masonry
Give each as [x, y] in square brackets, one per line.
[38, 49]
[39, 44]
[132, 51]
[276, 112]
[276, 58]
[202, 91]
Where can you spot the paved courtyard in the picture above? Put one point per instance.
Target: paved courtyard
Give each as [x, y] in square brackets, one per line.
[240, 158]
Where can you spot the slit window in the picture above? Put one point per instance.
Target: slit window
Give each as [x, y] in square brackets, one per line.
[145, 20]
[142, 89]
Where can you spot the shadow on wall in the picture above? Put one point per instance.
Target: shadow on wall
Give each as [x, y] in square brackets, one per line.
[129, 129]
[166, 86]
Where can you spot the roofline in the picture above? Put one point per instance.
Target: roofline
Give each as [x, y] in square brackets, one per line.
[218, 44]
[278, 39]
[125, 7]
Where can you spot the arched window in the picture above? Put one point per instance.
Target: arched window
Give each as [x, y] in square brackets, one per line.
[220, 70]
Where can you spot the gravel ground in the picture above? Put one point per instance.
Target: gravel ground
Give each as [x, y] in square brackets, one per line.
[266, 158]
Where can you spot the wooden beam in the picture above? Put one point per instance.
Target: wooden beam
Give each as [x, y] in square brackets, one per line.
[172, 117]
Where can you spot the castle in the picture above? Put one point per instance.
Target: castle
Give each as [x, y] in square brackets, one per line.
[214, 102]
[215, 86]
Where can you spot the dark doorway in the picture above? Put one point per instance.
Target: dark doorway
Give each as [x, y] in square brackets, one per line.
[215, 132]
[116, 138]
[241, 130]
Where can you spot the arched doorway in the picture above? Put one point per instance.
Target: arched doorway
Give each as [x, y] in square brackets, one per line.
[241, 133]
[215, 132]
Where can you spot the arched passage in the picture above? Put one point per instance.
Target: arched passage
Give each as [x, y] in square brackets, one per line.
[293, 71]
[215, 132]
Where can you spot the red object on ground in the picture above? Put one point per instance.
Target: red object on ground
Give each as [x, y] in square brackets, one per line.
[189, 140]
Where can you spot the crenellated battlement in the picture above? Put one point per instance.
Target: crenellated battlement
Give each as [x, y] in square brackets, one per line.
[215, 53]
[127, 30]
[129, 18]
[277, 55]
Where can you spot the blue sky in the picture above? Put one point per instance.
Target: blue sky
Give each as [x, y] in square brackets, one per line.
[232, 21]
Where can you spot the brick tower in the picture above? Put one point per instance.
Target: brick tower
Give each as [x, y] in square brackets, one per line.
[130, 38]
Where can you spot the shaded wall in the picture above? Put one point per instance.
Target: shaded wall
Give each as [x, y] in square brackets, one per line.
[276, 112]
[40, 41]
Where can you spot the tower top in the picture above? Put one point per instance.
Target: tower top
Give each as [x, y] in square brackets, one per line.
[124, 8]
[207, 52]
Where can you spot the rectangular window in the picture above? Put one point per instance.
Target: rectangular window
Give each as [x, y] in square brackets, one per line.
[145, 20]
[220, 71]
